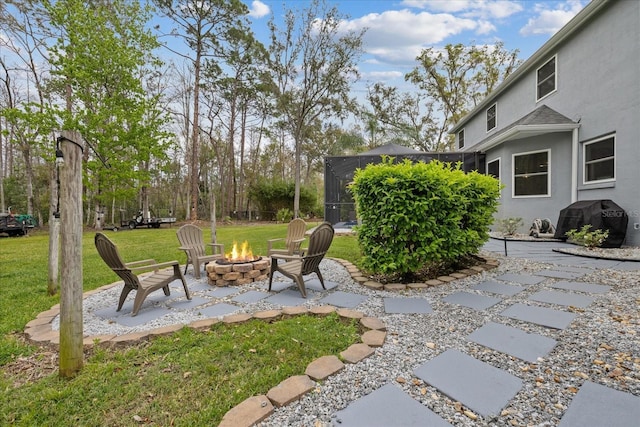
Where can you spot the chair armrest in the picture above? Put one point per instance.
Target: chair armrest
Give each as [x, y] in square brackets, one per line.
[139, 264]
[216, 248]
[156, 266]
[271, 241]
[286, 257]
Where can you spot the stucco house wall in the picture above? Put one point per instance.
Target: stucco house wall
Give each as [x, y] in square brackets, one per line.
[597, 93]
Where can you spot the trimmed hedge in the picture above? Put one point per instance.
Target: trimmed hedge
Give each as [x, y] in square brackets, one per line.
[414, 214]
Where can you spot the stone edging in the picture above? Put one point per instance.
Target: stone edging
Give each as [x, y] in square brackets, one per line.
[358, 277]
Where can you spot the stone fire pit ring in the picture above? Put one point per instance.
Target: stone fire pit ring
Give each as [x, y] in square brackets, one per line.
[230, 274]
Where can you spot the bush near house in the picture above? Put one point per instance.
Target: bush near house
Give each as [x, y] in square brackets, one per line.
[586, 238]
[415, 214]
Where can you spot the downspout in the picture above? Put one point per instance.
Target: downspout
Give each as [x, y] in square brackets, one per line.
[574, 166]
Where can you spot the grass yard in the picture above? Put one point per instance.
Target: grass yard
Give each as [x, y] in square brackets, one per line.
[188, 378]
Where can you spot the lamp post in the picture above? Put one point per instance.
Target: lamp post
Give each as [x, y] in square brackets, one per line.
[70, 214]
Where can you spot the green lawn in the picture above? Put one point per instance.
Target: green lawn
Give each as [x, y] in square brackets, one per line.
[187, 378]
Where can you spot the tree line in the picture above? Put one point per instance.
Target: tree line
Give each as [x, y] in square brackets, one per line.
[180, 107]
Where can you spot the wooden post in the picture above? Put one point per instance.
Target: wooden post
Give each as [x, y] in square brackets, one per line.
[71, 356]
[54, 236]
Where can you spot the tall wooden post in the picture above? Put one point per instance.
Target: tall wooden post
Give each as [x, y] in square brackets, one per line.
[71, 356]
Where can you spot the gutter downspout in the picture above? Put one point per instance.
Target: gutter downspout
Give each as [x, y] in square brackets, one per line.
[574, 165]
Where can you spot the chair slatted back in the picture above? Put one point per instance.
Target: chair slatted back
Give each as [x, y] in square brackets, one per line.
[295, 231]
[191, 236]
[319, 243]
[109, 253]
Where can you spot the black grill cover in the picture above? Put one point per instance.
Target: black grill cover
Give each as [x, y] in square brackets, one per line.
[601, 214]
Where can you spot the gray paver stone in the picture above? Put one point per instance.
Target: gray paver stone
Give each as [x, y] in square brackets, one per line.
[597, 405]
[539, 315]
[471, 300]
[562, 298]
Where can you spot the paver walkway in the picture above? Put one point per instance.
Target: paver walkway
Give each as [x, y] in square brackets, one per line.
[485, 389]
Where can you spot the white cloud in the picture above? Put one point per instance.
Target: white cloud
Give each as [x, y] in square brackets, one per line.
[398, 36]
[381, 76]
[258, 9]
[482, 9]
[549, 21]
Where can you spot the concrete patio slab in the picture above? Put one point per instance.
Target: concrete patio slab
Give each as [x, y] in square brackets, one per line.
[194, 286]
[591, 288]
[468, 380]
[471, 300]
[548, 317]
[523, 279]
[385, 407]
[407, 306]
[185, 304]
[278, 286]
[597, 405]
[221, 291]
[498, 288]
[217, 310]
[317, 286]
[562, 298]
[288, 297]
[144, 315]
[560, 274]
[250, 297]
[343, 299]
[513, 341]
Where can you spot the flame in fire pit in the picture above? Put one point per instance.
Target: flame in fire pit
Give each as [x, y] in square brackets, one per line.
[243, 254]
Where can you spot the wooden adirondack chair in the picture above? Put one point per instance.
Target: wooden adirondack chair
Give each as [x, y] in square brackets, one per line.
[295, 236]
[192, 242]
[159, 278]
[298, 266]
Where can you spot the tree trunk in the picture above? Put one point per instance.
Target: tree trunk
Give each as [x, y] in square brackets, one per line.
[71, 356]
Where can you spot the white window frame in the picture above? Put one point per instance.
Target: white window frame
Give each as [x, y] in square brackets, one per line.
[555, 78]
[513, 174]
[499, 160]
[460, 146]
[584, 159]
[495, 117]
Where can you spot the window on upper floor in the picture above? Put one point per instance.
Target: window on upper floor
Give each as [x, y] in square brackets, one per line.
[461, 139]
[599, 159]
[531, 174]
[491, 117]
[546, 79]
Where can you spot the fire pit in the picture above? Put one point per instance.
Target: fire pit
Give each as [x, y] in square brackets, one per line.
[239, 267]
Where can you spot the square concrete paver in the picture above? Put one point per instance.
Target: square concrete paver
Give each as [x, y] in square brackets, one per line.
[185, 304]
[194, 287]
[562, 298]
[144, 315]
[289, 297]
[221, 291]
[250, 297]
[407, 306]
[385, 407]
[597, 405]
[498, 288]
[468, 380]
[217, 310]
[343, 299]
[560, 274]
[540, 315]
[277, 286]
[317, 286]
[523, 279]
[474, 301]
[513, 341]
[591, 288]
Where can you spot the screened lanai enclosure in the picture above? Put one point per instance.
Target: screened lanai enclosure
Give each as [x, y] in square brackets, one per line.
[339, 207]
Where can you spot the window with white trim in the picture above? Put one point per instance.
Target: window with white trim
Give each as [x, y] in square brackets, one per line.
[599, 159]
[531, 176]
[493, 168]
[546, 79]
[491, 117]
[461, 139]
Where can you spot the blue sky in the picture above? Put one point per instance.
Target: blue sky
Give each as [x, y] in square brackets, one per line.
[399, 29]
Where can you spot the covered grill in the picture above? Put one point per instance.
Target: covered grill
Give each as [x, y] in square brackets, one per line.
[601, 214]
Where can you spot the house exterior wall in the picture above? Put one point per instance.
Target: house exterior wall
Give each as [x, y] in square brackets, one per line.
[598, 85]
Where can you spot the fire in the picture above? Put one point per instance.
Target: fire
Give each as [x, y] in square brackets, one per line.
[242, 254]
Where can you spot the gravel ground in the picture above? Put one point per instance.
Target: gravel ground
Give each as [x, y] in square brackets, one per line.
[600, 345]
